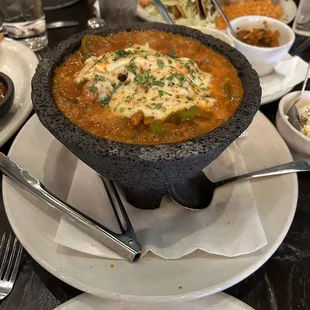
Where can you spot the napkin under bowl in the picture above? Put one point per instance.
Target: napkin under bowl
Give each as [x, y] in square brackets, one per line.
[230, 226]
[287, 74]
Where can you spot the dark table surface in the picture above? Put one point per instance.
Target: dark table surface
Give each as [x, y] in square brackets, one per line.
[283, 283]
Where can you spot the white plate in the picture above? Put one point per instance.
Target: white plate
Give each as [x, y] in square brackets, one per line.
[220, 301]
[19, 63]
[266, 79]
[289, 12]
[152, 279]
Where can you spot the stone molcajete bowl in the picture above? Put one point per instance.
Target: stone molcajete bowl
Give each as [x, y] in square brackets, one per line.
[144, 172]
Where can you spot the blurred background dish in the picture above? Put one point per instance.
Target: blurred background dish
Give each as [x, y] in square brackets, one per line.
[202, 13]
[263, 59]
[220, 301]
[6, 94]
[50, 5]
[19, 63]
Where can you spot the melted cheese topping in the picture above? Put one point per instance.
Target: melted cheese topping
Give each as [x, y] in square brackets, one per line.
[140, 79]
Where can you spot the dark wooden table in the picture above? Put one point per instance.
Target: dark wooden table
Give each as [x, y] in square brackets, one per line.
[283, 283]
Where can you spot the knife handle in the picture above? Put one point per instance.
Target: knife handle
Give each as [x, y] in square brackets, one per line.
[123, 244]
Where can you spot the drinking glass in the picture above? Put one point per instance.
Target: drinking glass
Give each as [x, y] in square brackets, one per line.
[302, 20]
[118, 11]
[24, 20]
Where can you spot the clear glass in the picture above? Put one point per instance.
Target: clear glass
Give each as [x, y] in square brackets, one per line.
[302, 20]
[118, 11]
[24, 20]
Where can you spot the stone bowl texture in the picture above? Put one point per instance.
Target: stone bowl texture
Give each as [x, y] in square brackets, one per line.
[144, 172]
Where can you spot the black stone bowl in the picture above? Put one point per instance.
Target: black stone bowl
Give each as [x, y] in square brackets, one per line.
[144, 172]
[7, 101]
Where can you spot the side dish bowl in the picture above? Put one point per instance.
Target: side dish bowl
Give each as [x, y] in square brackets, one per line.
[144, 171]
[295, 139]
[7, 101]
[263, 59]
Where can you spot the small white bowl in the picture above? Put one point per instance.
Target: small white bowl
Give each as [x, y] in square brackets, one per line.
[216, 34]
[294, 138]
[263, 59]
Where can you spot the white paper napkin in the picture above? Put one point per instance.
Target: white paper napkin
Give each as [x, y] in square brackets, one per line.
[230, 226]
[287, 74]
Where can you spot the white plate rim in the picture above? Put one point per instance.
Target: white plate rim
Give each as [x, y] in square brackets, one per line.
[31, 59]
[85, 298]
[289, 4]
[165, 298]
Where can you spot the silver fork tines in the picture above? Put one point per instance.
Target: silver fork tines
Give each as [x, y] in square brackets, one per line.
[10, 255]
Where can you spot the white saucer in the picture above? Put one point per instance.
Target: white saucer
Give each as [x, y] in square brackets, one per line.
[220, 301]
[270, 79]
[19, 63]
[152, 279]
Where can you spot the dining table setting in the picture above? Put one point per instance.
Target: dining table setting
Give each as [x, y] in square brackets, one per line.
[154, 154]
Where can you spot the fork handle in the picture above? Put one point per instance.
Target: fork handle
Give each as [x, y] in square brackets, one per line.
[292, 167]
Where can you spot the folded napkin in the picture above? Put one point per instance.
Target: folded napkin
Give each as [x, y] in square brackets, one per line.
[286, 74]
[230, 226]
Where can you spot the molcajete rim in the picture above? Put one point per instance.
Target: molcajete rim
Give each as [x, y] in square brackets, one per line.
[66, 131]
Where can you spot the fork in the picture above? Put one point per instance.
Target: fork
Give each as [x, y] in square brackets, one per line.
[11, 255]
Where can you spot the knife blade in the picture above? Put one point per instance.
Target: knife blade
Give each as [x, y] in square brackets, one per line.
[124, 244]
[62, 24]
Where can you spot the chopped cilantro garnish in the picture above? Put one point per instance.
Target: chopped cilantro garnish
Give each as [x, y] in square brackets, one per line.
[158, 106]
[157, 54]
[121, 54]
[158, 83]
[189, 69]
[173, 54]
[93, 89]
[161, 93]
[181, 78]
[148, 106]
[169, 78]
[143, 78]
[121, 110]
[97, 61]
[203, 88]
[105, 101]
[207, 96]
[99, 78]
[139, 99]
[170, 61]
[160, 63]
[132, 67]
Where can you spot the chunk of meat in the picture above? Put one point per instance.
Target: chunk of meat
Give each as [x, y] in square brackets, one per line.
[137, 118]
[148, 120]
[89, 94]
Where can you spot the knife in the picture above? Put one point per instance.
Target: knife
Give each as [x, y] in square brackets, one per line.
[53, 25]
[61, 24]
[124, 244]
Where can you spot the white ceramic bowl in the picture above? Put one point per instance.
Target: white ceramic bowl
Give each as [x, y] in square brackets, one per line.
[294, 138]
[263, 59]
